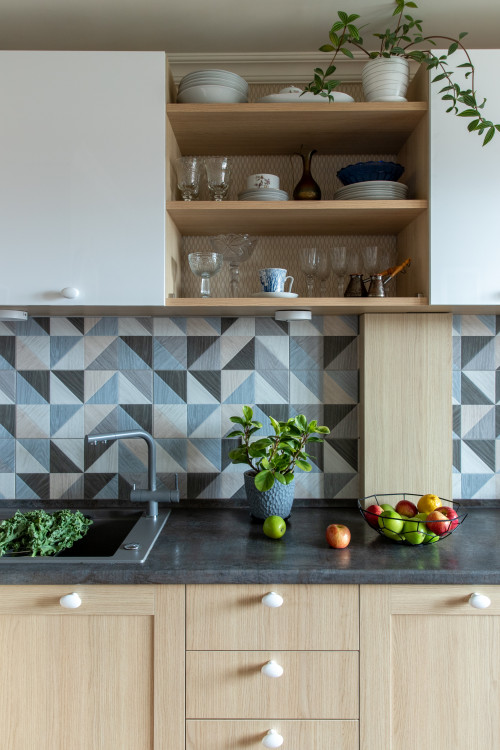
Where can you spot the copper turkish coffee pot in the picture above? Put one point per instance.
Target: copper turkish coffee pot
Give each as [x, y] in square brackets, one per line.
[356, 286]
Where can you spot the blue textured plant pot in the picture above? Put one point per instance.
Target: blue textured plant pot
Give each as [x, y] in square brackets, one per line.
[277, 501]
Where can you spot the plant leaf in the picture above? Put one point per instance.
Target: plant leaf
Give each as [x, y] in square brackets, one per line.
[264, 480]
[248, 413]
[489, 135]
[304, 465]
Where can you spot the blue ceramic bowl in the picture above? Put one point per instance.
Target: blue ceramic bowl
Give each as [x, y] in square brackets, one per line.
[370, 170]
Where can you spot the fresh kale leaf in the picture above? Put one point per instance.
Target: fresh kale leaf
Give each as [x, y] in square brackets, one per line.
[41, 533]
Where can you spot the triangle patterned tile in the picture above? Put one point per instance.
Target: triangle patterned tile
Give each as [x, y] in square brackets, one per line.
[457, 353]
[237, 387]
[272, 353]
[67, 420]
[7, 486]
[478, 456]
[32, 486]
[341, 325]
[33, 353]
[7, 386]
[203, 420]
[34, 326]
[270, 327]
[203, 387]
[170, 420]
[170, 352]
[66, 455]
[135, 417]
[33, 456]
[101, 326]
[101, 353]
[340, 456]
[7, 352]
[229, 485]
[100, 418]
[66, 326]
[135, 386]
[306, 353]
[478, 422]
[340, 387]
[66, 486]
[313, 327]
[8, 451]
[478, 387]
[66, 387]
[456, 380]
[170, 326]
[478, 353]
[133, 459]
[457, 455]
[456, 482]
[203, 455]
[170, 387]
[33, 387]
[171, 455]
[101, 486]
[473, 486]
[238, 353]
[203, 352]
[478, 325]
[7, 420]
[342, 419]
[101, 387]
[457, 420]
[341, 353]
[271, 386]
[101, 458]
[238, 327]
[306, 387]
[33, 420]
[199, 484]
[66, 352]
[135, 352]
[203, 326]
[135, 326]
[309, 486]
[8, 329]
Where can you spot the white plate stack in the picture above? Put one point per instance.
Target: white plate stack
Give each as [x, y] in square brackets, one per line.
[372, 190]
[263, 194]
[212, 87]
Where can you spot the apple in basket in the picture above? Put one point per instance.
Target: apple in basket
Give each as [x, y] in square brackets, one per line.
[372, 514]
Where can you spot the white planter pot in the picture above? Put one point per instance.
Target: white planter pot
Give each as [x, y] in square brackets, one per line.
[386, 79]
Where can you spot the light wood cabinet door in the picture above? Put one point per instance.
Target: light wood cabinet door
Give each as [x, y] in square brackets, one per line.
[230, 685]
[322, 617]
[106, 675]
[429, 667]
[297, 735]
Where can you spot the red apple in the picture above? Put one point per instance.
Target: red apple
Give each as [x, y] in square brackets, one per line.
[338, 536]
[437, 523]
[451, 514]
[372, 514]
[406, 508]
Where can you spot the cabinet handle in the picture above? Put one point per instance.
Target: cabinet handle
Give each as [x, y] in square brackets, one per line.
[70, 292]
[272, 669]
[272, 599]
[272, 739]
[70, 601]
[479, 601]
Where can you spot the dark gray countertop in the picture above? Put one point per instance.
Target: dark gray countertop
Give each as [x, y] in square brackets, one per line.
[226, 546]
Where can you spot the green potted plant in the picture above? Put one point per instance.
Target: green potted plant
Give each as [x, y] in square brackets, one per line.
[269, 483]
[398, 44]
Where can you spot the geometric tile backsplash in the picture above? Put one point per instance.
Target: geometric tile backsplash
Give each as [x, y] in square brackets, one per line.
[182, 378]
[179, 379]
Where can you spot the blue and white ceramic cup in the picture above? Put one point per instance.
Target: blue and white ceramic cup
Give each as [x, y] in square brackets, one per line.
[274, 279]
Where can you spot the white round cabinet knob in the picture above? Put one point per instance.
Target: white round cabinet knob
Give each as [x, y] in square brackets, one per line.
[70, 292]
[479, 601]
[272, 599]
[272, 669]
[70, 601]
[272, 739]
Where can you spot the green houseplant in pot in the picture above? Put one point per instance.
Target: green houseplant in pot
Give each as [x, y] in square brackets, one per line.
[405, 40]
[269, 483]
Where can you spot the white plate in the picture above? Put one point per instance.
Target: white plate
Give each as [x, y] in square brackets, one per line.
[308, 97]
[286, 295]
[210, 95]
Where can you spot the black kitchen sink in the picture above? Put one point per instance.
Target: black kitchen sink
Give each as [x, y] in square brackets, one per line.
[115, 536]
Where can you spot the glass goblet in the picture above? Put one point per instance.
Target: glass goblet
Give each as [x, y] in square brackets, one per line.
[338, 257]
[309, 264]
[370, 256]
[188, 170]
[218, 170]
[323, 271]
[236, 249]
[205, 265]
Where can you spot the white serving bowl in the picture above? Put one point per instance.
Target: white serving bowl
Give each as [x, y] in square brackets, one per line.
[211, 95]
[263, 181]
[211, 81]
[216, 76]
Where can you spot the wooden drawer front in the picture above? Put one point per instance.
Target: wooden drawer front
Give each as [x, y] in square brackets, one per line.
[245, 735]
[320, 617]
[442, 600]
[230, 685]
[96, 600]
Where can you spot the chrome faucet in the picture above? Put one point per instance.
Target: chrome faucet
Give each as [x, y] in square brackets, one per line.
[152, 496]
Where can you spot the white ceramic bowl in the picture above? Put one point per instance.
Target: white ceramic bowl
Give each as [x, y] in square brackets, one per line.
[263, 181]
[211, 81]
[211, 95]
[215, 76]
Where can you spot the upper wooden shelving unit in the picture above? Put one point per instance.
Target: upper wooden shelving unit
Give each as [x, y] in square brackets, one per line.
[357, 127]
[294, 217]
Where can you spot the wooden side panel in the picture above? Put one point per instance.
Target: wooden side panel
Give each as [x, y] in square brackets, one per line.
[169, 668]
[406, 402]
[226, 617]
[230, 685]
[297, 735]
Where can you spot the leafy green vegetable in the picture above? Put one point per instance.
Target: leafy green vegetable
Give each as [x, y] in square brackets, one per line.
[42, 533]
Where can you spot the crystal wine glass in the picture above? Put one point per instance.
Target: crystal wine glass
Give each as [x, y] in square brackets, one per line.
[236, 249]
[218, 170]
[188, 176]
[370, 256]
[338, 257]
[309, 264]
[206, 265]
[323, 271]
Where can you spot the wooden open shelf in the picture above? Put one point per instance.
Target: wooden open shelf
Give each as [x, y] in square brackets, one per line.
[294, 217]
[357, 127]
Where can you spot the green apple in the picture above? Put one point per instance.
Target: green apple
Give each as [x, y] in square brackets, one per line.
[430, 538]
[274, 527]
[386, 506]
[392, 534]
[389, 520]
[414, 532]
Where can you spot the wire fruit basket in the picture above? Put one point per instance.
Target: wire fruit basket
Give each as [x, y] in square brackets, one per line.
[405, 529]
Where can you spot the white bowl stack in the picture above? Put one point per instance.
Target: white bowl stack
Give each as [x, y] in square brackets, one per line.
[212, 87]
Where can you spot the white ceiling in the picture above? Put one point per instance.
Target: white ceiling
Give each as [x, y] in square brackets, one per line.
[231, 26]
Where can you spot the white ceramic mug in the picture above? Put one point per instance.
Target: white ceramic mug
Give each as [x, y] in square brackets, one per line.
[274, 280]
[262, 180]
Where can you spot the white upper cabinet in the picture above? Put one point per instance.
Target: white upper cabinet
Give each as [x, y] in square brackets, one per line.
[82, 178]
[465, 196]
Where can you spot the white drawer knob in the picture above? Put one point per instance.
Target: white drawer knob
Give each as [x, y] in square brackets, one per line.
[272, 669]
[272, 739]
[479, 601]
[272, 600]
[70, 292]
[70, 601]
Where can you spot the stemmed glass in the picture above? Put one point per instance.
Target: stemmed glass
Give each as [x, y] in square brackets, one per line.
[205, 265]
[236, 249]
[188, 176]
[323, 271]
[338, 257]
[370, 258]
[309, 264]
[218, 170]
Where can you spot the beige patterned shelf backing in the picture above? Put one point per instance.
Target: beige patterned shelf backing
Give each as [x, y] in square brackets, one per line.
[283, 251]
